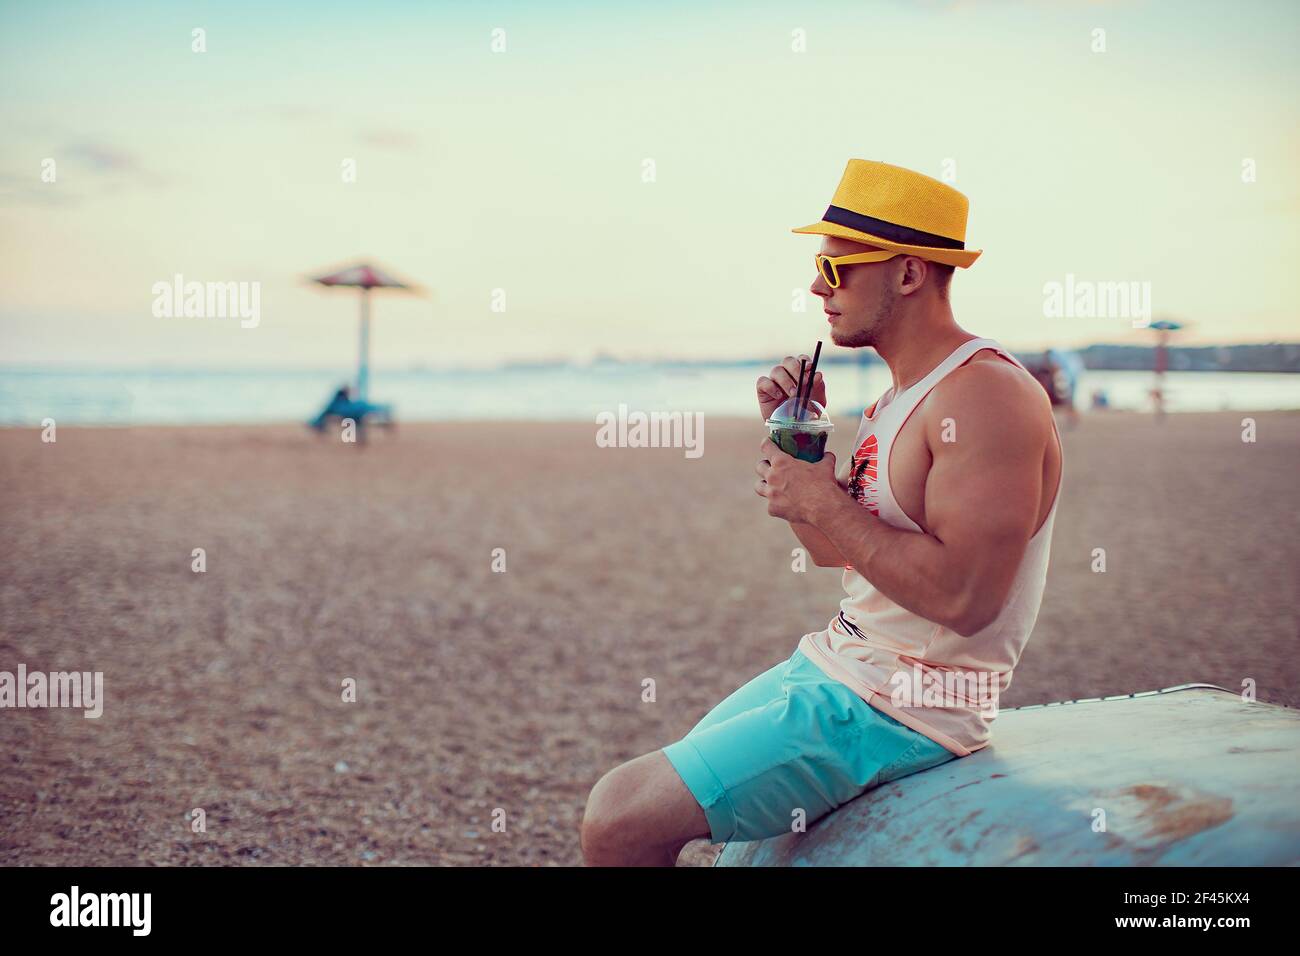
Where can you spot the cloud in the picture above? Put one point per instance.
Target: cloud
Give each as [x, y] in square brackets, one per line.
[296, 113]
[117, 170]
[102, 158]
[29, 191]
[97, 169]
[382, 137]
[390, 138]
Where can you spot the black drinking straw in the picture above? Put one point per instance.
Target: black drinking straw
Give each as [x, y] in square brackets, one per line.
[812, 373]
[798, 387]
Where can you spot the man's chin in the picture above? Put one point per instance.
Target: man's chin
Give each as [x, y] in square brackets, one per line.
[847, 340]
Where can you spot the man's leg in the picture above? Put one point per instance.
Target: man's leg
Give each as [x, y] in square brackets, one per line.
[809, 749]
[640, 814]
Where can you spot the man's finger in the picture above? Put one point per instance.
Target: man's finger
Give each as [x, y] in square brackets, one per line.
[760, 486]
[770, 388]
[784, 380]
[763, 467]
[791, 365]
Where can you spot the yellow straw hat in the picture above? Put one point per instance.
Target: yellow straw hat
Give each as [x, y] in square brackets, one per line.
[896, 208]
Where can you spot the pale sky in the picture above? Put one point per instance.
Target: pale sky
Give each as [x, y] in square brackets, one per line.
[523, 170]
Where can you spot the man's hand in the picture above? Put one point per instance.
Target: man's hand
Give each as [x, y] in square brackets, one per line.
[779, 384]
[795, 490]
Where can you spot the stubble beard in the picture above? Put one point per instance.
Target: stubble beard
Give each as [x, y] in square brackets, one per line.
[871, 334]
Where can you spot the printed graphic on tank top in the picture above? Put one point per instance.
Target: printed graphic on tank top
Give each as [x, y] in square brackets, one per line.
[878, 648]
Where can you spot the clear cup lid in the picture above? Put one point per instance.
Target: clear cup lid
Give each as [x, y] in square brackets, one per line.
[809, 414]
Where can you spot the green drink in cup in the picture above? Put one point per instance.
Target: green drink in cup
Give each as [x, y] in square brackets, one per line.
[800, 428]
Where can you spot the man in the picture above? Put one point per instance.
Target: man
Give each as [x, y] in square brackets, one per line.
[1057, 371]
[941, 522]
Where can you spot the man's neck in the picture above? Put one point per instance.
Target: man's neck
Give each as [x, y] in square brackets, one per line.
[919, 346]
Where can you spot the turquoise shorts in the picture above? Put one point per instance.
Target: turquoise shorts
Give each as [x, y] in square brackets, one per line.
[792, 739]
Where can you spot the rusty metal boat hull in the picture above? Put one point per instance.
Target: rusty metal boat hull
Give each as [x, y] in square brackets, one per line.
[1188, 776]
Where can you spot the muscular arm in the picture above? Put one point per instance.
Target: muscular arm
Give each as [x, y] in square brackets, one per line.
[982, 498]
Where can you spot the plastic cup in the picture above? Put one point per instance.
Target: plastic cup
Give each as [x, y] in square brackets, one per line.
[800, 429]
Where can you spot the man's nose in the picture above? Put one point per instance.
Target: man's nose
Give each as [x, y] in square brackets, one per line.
[819, 286]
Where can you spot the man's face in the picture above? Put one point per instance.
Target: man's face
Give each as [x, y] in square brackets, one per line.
[862, 307]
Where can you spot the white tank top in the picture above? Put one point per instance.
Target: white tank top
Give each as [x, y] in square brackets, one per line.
[898, 661]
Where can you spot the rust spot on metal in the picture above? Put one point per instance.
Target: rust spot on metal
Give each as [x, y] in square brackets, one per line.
[1024, 846]
[961, 824]
[1170, 817]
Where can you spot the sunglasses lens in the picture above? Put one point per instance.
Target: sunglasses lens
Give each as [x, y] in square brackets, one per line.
[828, 272]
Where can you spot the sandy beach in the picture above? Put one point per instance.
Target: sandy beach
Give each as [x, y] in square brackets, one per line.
[480, 692]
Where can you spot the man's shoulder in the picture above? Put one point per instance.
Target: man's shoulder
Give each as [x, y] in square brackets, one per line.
[989, 389]
[989, 378]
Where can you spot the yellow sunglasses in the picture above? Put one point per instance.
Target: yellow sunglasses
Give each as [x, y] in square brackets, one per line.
[828, 266]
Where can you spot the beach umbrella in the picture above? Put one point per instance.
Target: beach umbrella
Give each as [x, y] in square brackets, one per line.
[365, 277]
[1163, 327]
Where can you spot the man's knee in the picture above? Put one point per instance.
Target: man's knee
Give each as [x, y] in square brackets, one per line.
[609, 823]
[637, 812]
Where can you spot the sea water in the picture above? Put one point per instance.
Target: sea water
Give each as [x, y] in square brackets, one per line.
[81, 396]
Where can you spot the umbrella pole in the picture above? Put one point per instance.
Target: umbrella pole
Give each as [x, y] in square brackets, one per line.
[363, 366]
[1162, 359]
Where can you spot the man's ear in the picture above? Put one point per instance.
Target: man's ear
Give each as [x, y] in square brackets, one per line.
[913, 274]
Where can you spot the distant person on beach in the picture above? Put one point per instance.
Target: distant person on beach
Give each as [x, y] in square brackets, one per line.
[940, 523]
[340, 406]
[1065, 369]
[343, 407]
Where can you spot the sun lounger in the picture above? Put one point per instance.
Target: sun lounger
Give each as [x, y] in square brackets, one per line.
[363, 413]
